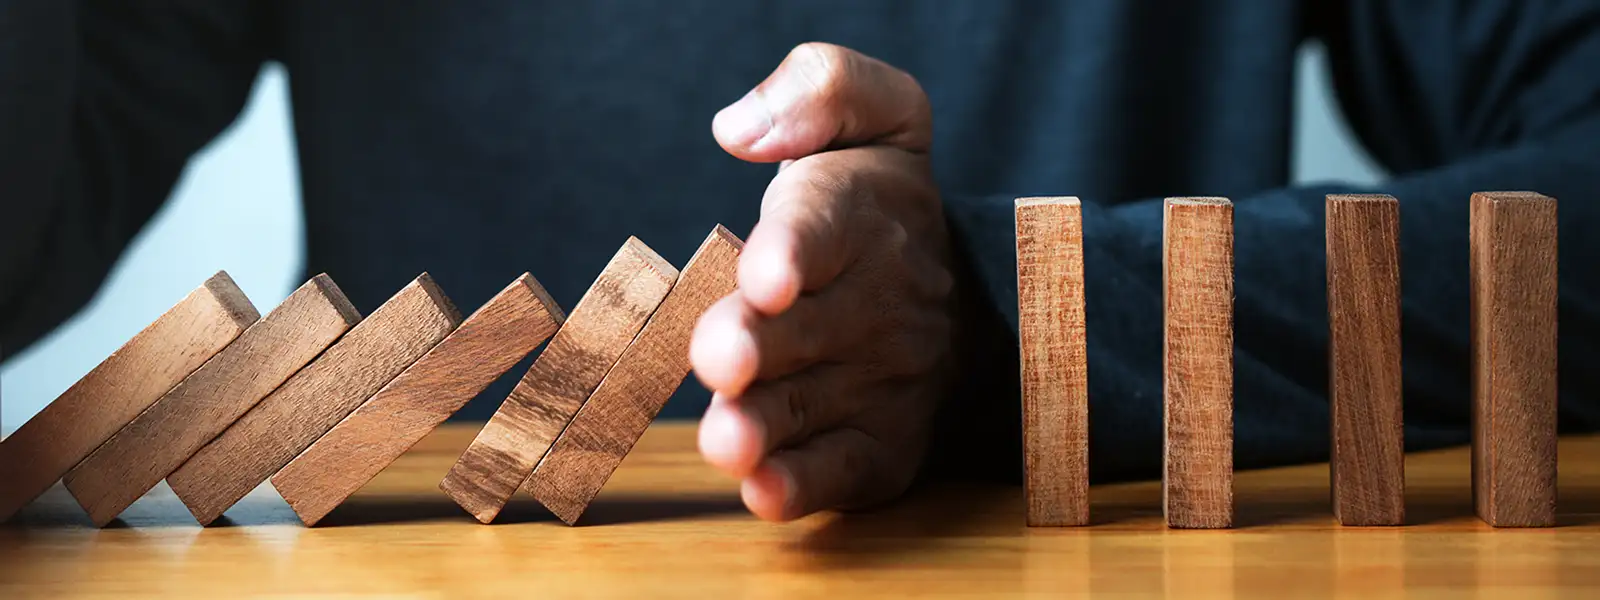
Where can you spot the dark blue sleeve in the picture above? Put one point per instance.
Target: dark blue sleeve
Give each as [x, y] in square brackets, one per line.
[1452, 97]
[101, 105]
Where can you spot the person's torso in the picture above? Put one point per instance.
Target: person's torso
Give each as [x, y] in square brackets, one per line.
[478, 140]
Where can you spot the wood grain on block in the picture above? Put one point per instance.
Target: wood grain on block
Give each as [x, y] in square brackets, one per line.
[605, 320]
[1368, 455]
[1197, 273]
[1055, 376]
[201, 406]
[633, 392]
[123, 385]
[1513, 297]
[483, 348]
[315, 399]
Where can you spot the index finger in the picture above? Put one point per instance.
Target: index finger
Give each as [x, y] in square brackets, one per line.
[811, 229]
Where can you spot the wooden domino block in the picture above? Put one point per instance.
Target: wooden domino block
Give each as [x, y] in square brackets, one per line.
[1513, 297]
[483, 348]
[315, 399]
[1055, 376]
[605, 320]
[1197, 272]
[119, 388]
[630, 396]
[1368, 454]
[158, 441]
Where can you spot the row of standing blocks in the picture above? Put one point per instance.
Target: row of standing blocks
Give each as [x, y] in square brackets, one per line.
[216, 400]
[1513, 334]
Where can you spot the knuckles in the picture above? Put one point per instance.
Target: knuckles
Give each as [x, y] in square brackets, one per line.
[827, 70]
[849, 86]
[831, 174]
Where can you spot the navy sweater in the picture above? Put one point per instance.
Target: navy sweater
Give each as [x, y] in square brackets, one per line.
[478, 139]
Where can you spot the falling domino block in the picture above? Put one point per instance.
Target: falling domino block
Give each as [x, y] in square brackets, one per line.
[157, 442]
[1197, 273]
[1368, 455]
[119, 388]
[484, 347]
[648, 372]
[1055, 376]
[1513, 298]
[605, 320]
[314, 400]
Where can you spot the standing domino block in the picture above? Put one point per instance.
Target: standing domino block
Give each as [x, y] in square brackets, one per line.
[314, 400]
[484, 347]
[157, 442]
[1513, 263]
[119, 388]
[630, 396]
[1368, 464]
[605, 320]
[1055, 376]
[1197, 273]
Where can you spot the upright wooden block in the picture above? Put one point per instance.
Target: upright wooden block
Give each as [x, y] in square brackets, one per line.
[1368, 455]
[119, 388]
[1197, 272]
[1513, 263]
[484, 347]
[156, 442]
[1055, 373]
[630, 396]
[315, 399]
[608, 317]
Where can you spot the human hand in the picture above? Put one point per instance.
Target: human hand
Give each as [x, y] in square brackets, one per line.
[829, 360]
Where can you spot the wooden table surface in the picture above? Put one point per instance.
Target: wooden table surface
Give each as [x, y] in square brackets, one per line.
[667, 525]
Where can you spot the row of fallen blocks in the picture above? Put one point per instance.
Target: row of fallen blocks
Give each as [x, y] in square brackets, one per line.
[1513, 322]
[216, 399]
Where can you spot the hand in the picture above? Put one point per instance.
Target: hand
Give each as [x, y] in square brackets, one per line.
[829, 360]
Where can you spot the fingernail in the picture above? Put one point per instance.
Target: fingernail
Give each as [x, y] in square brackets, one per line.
[744, 122]
[718, 433]
[749, 361]
[771, 281]
[791, 492]
[722, 353]
[757, 427]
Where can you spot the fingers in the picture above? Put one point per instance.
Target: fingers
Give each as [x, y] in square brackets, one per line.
[737, 433]
[824, 96]
[730, 438]
[735, 345]
[843, 468]
[812, 227]
[723, 350]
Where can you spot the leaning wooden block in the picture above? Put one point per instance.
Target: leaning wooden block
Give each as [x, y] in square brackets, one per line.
[1368, 455]
[119, 388]
[157, 442]
[1197, 269]
[1513, 290]
[649, 371]
[484, 347]
[314, 400]
[605, 320]
[1055, 375]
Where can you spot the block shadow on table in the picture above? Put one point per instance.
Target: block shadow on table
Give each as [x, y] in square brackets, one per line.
[379, 510]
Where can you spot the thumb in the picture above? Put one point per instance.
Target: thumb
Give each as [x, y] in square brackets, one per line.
[825, 97]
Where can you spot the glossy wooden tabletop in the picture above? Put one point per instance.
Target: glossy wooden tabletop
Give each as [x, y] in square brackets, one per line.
[667, 525]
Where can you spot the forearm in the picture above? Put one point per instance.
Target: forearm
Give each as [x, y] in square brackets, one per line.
[38, 76]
